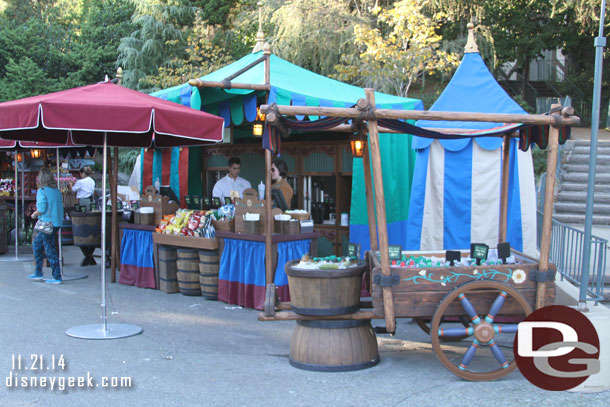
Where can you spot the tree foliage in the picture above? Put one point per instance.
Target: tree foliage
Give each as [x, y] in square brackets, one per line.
[102, 25]
[518, 29]
[158, 40]
[202, 58]
[314, 33]
[402, 47]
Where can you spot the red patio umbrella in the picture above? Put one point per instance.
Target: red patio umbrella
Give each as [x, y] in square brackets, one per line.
[85, 114]
[106, 114]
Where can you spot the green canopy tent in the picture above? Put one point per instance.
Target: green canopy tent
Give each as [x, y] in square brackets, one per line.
[233, 91]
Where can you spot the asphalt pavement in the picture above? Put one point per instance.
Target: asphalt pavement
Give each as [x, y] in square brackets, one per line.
[194, 352]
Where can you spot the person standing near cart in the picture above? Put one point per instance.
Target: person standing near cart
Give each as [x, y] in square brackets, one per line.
[85, 186]
[279, 171]
[49, 212]
[231, 185]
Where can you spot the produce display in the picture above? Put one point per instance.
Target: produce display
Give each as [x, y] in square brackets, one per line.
[187, 222]
[7, 186]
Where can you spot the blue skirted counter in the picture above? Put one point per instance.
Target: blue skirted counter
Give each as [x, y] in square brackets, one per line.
[137, 266]
[241, 278]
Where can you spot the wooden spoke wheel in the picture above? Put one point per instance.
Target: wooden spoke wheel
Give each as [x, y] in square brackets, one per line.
[424, 325]
[487, 354]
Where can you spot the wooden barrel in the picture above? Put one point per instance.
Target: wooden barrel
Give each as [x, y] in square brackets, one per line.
[66, 233]
[208, 273]
[324, 292]
[188, 271]
[87, 228]
[333, 345]
[168, 268]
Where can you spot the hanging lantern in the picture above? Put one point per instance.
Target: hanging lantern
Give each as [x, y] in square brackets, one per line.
[257, 127]
[358, 143]
[35, 153]
[19, 157]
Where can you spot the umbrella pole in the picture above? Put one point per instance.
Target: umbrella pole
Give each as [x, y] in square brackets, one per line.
[106, 331]
[64, 276]
[16, 209]
[61, 261]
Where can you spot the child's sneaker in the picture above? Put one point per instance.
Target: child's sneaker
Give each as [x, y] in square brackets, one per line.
[35, 277]
[53, 281]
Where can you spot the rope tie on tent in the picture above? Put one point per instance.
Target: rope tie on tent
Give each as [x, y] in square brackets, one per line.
[226, 83]
[556, 118]
[367, 112]
[273, 118]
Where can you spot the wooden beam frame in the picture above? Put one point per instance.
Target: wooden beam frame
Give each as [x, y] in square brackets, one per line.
[350, 112]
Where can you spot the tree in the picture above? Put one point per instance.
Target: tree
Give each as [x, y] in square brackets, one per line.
[102, 25]
[202, 58]
[38, 44]
[215, 12]
[402, 47]
[314, 33]
[16, 85]
[518, 29]
[158, 40]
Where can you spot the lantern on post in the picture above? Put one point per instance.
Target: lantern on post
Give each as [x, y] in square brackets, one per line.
[257, 127]
[358, 143]
[19, 157]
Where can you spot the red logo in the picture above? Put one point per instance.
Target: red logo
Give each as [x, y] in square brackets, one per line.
[556, 348]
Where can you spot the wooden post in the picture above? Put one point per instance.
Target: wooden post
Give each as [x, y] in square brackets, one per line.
[268, 219]
[370, 203]
[547, 217]
[269, 306]
[114, 249]
[388, 301]
[504, 189]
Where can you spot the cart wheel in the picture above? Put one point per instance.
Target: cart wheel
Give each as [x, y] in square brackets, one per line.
[424, 325]
[458, 357]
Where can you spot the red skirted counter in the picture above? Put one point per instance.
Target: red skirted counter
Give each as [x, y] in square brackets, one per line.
[242, 265]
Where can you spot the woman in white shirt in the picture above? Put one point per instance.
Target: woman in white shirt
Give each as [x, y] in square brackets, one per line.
[85, 186]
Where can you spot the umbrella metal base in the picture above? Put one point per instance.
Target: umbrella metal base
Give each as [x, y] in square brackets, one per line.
[20, 258]
[96, 331]
[73, 276]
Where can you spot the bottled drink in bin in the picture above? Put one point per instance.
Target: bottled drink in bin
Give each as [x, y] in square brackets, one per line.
[344, 219]
[261, 191]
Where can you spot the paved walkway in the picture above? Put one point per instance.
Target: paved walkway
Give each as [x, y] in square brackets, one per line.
[194, 352]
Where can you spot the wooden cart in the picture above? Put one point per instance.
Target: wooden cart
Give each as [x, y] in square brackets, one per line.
[468, 308]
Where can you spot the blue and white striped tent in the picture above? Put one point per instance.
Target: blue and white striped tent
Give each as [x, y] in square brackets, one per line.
[455, 195]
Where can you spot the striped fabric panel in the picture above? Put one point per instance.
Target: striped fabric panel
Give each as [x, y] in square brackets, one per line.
[486, 189]
[432, 220]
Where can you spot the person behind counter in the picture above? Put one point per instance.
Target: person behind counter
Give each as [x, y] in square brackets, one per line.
[231, 185]
[279, 170]
[49, 208]
[85, 186]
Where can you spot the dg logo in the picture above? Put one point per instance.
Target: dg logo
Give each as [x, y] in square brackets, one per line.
[556, 348]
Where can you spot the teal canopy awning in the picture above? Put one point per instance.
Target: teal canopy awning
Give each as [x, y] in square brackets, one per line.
[290, 85]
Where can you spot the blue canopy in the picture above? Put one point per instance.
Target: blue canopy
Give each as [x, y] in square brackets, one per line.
[455, 196]
[472, 89]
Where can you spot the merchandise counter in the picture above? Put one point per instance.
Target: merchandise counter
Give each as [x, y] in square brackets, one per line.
[137, 260]
[242, 265]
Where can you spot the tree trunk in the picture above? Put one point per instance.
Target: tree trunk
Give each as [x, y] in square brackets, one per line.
[524, 81]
